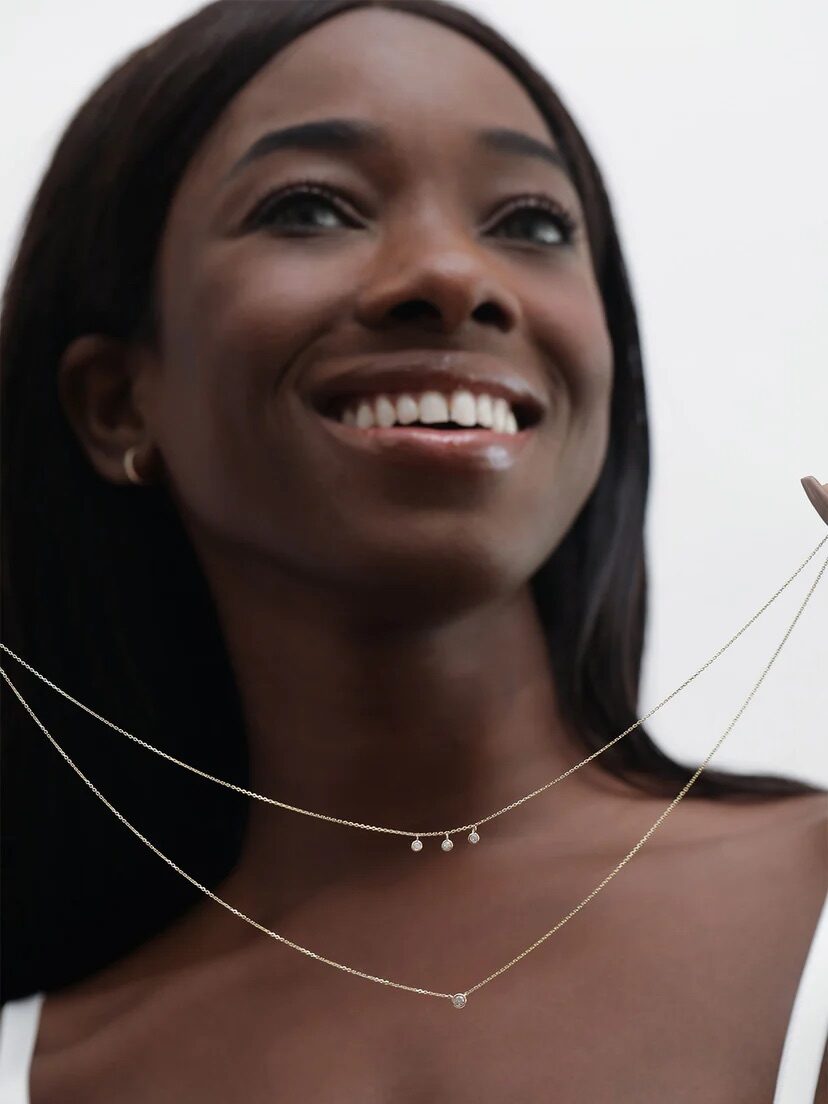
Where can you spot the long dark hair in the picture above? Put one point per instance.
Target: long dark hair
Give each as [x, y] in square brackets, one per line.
[101, 589]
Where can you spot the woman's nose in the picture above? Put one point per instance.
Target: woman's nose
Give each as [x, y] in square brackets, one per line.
[437, 284]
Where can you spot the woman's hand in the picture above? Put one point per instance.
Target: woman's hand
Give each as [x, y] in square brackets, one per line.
[818, 494]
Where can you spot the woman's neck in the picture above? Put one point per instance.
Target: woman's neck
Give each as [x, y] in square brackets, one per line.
[421, 727]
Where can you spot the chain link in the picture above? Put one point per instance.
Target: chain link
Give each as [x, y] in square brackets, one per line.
[458, 999]
[400, 831]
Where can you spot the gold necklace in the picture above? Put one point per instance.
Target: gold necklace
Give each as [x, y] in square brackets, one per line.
[417, 845]
[458, 999]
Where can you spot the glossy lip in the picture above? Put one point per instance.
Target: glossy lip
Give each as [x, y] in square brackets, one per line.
[415, 371]
[463, 450]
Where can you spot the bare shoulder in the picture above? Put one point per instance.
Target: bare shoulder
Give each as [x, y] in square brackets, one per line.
[809, 821]
[781, 839]
[801, 826]
[768, 861]
[798, 822]
[804, 810]
[793, 835]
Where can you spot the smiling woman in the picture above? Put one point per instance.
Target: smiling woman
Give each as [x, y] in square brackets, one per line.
[325, 464]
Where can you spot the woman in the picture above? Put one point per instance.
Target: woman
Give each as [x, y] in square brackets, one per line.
[216, 298]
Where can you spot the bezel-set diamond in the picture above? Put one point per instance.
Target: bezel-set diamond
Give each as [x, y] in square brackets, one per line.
[447, 844]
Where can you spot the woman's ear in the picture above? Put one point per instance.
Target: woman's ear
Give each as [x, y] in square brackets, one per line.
[99, 381]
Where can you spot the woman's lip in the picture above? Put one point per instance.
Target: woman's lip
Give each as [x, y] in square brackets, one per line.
[474, 450]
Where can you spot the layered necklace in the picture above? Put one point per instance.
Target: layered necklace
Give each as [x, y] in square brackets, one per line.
[458, 998]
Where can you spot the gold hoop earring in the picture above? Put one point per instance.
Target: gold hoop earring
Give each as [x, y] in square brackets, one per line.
[129, 465]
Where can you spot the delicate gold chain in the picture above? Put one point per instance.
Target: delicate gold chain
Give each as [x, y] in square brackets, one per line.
[458, 999]
[447, 832]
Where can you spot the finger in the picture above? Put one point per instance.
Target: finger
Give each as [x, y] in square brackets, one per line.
[818, 494]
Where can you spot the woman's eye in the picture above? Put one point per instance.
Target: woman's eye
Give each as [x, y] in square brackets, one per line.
[555, 224]
[305, 208]
[300, 208]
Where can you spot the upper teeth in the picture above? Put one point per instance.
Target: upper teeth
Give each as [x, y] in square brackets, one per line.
[461, 407]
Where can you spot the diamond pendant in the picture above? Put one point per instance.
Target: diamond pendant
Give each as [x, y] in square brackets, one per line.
[447, 845]
[459, 1000]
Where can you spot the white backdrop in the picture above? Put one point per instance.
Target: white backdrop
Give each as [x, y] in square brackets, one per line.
[708, 124]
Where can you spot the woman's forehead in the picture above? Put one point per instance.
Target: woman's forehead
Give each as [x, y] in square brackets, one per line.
[409, 75]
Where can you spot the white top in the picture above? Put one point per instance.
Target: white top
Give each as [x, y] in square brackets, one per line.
[796, 1081]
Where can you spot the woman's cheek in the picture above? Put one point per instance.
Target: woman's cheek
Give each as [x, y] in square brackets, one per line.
[569, 327]
[264, 306]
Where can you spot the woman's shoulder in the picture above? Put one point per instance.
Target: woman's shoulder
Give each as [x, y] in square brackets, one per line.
[74, 1032]
[803, 816]
[797, 834]
[799, 820]
[753, 884]
[784, 836]
[761, 866]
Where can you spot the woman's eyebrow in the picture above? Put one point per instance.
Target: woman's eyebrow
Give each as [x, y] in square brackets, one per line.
[360, 136]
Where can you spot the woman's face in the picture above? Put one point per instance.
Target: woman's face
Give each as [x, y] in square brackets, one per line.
[414, 253]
